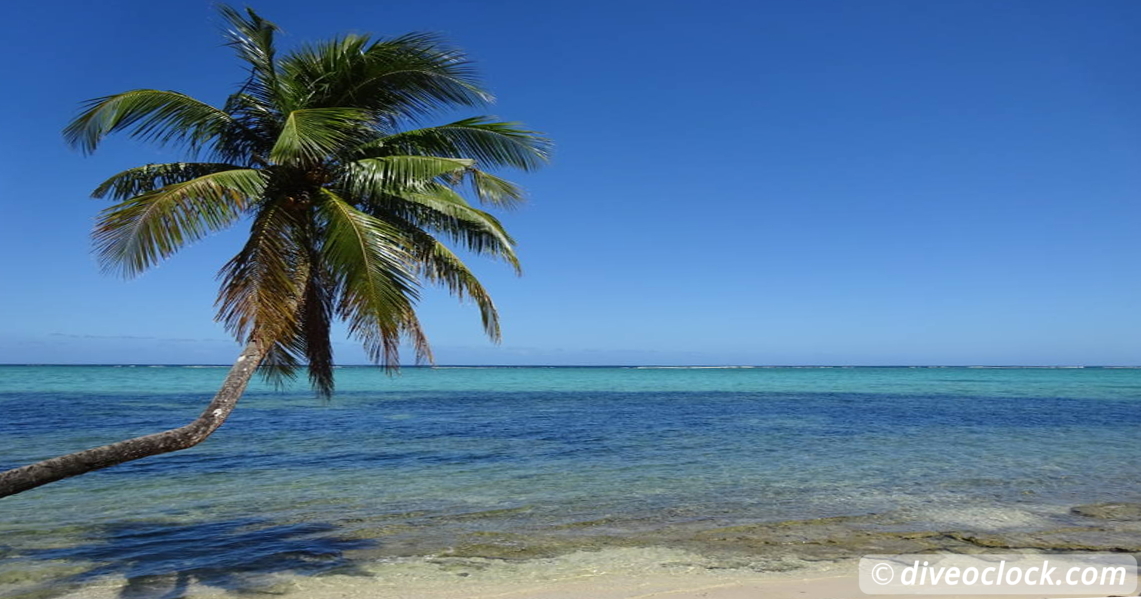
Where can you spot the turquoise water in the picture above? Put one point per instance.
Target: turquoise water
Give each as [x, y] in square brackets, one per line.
[423, 463]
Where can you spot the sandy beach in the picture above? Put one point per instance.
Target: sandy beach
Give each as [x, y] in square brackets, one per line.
[660, 573]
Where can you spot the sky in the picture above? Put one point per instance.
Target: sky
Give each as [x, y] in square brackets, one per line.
[766, 182]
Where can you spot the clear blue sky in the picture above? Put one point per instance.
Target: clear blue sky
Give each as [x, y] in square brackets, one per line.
[792, 182]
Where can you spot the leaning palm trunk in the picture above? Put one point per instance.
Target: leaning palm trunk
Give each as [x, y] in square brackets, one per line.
[31, 476]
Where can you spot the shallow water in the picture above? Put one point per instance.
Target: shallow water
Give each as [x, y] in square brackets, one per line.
[526, 462]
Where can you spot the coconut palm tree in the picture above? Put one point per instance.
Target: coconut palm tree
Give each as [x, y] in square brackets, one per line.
[349, 202]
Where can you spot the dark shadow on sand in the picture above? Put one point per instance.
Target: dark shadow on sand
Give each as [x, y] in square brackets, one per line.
[161, 560]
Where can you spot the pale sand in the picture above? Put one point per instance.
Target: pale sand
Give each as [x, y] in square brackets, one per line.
[607, 574]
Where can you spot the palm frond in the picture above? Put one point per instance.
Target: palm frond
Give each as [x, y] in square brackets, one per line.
[401, 78]
[440, 210]
[280, 365]
[373, 268]
[261, 288]
[136, 234]
[316, 322]
[394, 174]
[492, 144]
[143, 179]
[319, 74]
[419, 74]
[495, 191]
[441, 266]
[259, 124]
[253, 39]
[313, 134]
[151, 115]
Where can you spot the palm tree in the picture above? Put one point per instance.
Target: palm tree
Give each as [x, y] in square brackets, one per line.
[347, 205]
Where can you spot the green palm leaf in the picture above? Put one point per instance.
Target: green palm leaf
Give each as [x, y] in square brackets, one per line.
[253, 38]
[137, 233]
[492, 144]
[402, 78]
[420, 75]
[373, 268]
[374, 177]
[317, 313]
[139, 180]
[495, 191]
[313, 134]
[443, 211]
[440, 265]
[150, 115]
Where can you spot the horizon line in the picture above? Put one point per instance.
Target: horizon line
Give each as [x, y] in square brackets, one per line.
[643, 366]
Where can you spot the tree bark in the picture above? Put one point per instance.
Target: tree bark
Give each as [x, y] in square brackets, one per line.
[31, 476]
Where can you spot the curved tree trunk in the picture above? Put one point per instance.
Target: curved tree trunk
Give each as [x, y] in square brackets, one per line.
[41, 473]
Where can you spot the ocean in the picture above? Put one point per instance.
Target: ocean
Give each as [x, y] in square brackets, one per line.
[761, 467]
